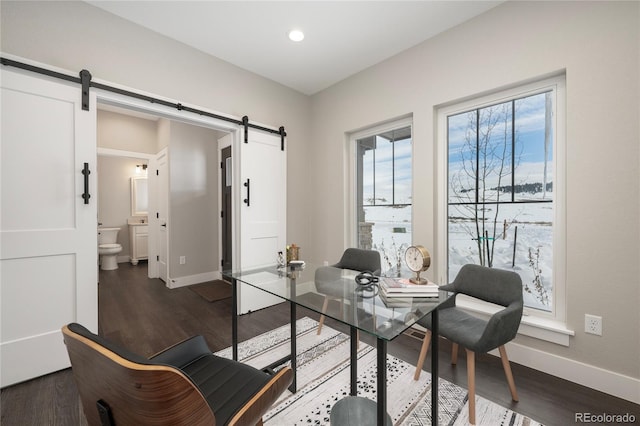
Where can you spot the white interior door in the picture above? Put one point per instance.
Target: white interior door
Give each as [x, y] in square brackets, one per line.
[163, 214]
[158, 182]
[263, 210]
[48, 235]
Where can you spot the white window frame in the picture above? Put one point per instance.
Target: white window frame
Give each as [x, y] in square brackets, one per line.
[550, 326]
[352, 137]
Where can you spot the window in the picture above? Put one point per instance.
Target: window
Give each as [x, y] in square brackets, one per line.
[383, 193]
[504, 199]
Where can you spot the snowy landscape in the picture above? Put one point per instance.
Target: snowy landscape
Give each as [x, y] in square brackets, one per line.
[534, 231]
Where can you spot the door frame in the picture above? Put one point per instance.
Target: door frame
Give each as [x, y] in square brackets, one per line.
[223, 143]
[134, 104]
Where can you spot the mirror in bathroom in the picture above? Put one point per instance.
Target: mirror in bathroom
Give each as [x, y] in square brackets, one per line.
[139, 196]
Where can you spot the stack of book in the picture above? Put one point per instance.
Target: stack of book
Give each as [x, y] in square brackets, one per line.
[395, 288]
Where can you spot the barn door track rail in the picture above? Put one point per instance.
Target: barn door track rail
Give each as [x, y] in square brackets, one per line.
[85, 81]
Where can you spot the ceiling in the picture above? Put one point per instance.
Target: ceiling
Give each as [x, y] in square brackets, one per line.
[341, 37]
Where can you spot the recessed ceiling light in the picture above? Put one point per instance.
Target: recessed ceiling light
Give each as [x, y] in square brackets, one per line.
[296, 35]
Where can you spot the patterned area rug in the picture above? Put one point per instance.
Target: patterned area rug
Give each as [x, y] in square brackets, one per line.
[323, 379]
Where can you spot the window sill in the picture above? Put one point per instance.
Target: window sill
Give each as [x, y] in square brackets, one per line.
[538, 327]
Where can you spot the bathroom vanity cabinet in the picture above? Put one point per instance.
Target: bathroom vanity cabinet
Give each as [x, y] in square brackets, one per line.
[139, 236]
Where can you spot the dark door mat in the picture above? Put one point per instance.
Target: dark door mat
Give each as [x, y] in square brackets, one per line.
[212, 290]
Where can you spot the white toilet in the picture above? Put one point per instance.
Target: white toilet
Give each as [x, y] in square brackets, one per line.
[108, 248]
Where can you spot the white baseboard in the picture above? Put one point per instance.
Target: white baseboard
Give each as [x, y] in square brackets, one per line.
[193, 279]
[597, 378]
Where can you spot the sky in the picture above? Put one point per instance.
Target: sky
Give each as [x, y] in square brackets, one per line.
[384, 171]
[529, 122]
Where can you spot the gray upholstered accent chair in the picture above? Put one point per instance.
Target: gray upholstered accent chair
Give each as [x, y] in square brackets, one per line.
[183, 385]
[354, 259]
[360, 260]
[478, 335]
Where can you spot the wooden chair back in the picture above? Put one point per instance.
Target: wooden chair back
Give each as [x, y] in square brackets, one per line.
[135, 391]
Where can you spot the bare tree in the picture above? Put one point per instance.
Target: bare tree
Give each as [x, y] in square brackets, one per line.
[486, 163]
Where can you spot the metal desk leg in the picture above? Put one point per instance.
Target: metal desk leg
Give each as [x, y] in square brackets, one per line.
[382, 382]
[294, 350]
[354, 362]
[234, 319]
[434, 367]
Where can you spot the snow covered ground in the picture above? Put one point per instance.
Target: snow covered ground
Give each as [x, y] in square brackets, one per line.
[533, 251]
[532, 259]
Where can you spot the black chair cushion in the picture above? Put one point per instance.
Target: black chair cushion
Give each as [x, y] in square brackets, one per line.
[227, 385]
[183, 353]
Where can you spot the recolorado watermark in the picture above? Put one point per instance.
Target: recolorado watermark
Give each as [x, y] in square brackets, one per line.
[604, 418]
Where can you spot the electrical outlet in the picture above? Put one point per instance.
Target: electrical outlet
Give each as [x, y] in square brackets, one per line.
[183, 260]
[593, 324]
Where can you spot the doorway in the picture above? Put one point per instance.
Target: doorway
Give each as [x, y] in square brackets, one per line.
[125, 144]
[258, 158]
[226, 210]
[185, 234]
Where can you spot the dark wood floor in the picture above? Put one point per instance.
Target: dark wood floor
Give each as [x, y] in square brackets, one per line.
[144, 316]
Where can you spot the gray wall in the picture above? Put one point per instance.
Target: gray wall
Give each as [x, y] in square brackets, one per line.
[193, 200]
[127, 133]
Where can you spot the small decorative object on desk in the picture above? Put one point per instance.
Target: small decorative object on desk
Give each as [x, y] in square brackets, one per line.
[293, 252]
[281, 262]
[403, 287]
[418, 260]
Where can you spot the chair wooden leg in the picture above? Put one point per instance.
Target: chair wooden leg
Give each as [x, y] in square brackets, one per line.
[471, 384]
[507, 372]
[324, 309]
[454, 353]
[423, 354]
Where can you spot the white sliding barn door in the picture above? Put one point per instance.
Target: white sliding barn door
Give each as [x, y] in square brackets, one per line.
[263, 210]
[48, 236]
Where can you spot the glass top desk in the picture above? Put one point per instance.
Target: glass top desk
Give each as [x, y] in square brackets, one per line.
[311, 285]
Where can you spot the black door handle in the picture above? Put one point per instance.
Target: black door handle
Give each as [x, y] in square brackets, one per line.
[164, 224]
[86, 172]
[248, 199]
